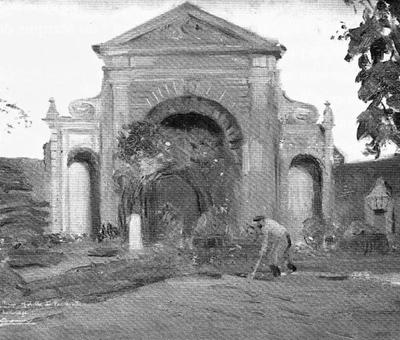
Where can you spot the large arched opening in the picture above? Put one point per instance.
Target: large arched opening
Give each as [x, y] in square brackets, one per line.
[305, 193]
[209, 145]
[83, 192]
[194, 189]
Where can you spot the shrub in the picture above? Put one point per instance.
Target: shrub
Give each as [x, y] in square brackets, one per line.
[172, 223]
[316, 230]
[210, 223]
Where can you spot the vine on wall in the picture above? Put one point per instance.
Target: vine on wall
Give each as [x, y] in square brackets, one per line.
[146, 151]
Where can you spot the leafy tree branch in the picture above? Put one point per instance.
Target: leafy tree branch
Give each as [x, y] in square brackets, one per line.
[376, 44]
[12, 116]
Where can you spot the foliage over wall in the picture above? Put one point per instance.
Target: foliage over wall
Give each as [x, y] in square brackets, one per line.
[147, 151]
[376, 43]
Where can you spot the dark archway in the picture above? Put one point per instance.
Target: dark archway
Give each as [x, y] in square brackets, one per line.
[90, 161]
[187, 105]
[143, 198]
[213, 186]
[175, 190]
[189, 189]
[305, 192]
[201, 125]
[192, 120]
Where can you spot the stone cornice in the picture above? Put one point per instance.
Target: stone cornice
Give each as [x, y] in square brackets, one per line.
[301, 128]
[121, 76]
[203, 50]
[67, 123]
[120, 82]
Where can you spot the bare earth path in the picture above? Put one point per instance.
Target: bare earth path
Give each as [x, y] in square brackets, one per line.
[303, 306]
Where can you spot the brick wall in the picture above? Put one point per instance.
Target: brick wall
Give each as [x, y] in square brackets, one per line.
[354, 181]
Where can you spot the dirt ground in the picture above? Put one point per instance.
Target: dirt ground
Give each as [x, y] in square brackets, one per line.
[329, 298]
[300, 306]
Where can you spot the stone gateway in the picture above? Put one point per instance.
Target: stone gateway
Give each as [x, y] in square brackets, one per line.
[190, 66]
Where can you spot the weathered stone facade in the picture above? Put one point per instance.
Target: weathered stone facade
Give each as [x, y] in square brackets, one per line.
[186, 61]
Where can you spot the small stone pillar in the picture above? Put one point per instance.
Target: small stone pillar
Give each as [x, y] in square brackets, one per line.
[135, 232]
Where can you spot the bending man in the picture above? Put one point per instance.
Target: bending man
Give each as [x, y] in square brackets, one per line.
[280, 241]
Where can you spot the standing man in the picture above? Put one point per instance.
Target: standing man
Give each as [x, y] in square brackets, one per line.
[280, 241]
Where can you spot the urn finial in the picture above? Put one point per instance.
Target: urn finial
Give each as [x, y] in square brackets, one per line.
[328, 121]
[52, 111]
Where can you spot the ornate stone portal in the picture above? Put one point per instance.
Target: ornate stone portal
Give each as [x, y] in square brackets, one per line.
[187, 61]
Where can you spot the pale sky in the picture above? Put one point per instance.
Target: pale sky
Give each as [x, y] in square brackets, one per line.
[46, 52]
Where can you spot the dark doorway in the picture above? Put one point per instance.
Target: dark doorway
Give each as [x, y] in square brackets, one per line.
[175, 191]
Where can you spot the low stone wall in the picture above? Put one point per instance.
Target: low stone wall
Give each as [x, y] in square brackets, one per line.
[354, 181]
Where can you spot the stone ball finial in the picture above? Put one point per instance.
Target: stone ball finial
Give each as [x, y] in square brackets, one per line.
[52, 111]
[328, 121]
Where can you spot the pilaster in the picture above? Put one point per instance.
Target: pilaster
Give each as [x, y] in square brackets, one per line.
[283, 203]
[327, 178]
[64, 181]
[56, 173]
[115, 115]
[259, 189]
[120, 90]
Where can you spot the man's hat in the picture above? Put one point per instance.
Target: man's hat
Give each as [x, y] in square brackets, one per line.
[258, 218]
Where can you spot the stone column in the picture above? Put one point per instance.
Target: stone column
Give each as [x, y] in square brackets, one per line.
[107, 208]
[283, 215]
[55, 173]
[121, 104]
[115, 114]
[64, 181]
[51, 119]
[259, 188]
[327, 178]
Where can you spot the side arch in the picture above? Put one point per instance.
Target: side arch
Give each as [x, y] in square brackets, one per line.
[83, 191]
[305, 192]
[83, 154]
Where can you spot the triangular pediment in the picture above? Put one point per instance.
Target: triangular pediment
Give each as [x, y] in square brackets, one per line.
[188, 28]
